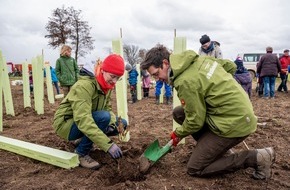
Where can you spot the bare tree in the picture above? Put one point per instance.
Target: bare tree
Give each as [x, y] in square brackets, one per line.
[58, 28]
[142, 53]
[80, 35]
[131, 54]
[67, 27]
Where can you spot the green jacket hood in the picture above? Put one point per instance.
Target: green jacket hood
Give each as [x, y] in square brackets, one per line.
[180, 62]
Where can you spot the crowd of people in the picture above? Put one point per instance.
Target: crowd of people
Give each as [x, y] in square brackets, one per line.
[216, 108]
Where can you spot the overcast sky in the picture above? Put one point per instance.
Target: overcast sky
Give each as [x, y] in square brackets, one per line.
[239, 25]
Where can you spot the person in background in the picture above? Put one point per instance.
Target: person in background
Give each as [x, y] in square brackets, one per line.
[66, 69]
[54, 79]
[145, 83]
[285, 62]
[209, 48]
[260, 85]
[243, 77]
[268, 68]
[168, 91]
[214, 110]
[132, 78]
[86, 111]
[30, 82]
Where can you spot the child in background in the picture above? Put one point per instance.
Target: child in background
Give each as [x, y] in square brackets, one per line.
[133, 74]
[145, 83]
[260, 85]
[30, 82]
[243, 77]
[54, 79]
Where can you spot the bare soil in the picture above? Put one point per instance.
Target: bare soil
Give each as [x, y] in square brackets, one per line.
[148, 122]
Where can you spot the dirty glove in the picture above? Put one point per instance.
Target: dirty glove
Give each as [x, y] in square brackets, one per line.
[115, 151]
[175, 138]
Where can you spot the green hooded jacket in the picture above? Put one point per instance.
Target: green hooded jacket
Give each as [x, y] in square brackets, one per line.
[211, 96]
[67, 70]
[84, 97]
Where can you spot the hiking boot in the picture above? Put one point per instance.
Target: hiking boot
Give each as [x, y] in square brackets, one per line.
[168, 102]
[265, 159]
[157, 100]
[87, 162]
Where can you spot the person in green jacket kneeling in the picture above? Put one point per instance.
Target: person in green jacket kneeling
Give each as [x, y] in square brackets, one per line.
[86, 112]
[215, 111]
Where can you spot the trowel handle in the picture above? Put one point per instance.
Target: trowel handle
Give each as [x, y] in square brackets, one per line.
[169, 144]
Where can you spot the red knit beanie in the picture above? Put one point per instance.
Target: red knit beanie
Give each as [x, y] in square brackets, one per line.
[114, 64]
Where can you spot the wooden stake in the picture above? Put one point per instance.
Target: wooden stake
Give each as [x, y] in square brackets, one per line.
[246, 145]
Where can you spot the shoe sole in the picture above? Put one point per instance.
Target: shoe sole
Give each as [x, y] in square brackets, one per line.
[96, 167]
[93, 168]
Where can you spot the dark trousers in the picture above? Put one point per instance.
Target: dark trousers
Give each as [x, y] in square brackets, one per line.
[283, 84]
[260, 87]
[145, 92]
[56, 87]
[208, 156]
[133, 91]
[65, 90]
[102, 119]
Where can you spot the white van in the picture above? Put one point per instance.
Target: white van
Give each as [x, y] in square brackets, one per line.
[251, 59]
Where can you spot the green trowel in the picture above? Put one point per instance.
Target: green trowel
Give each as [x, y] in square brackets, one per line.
[152, 154]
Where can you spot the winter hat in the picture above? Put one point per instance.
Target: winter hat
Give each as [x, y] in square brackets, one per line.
[114, 64]
[240, 66]
[239, 62]
[128, 67]
[204, 39]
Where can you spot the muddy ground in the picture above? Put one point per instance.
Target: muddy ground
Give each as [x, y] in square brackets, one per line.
[148, 122]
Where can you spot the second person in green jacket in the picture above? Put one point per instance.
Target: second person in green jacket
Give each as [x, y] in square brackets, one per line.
[214, 110]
